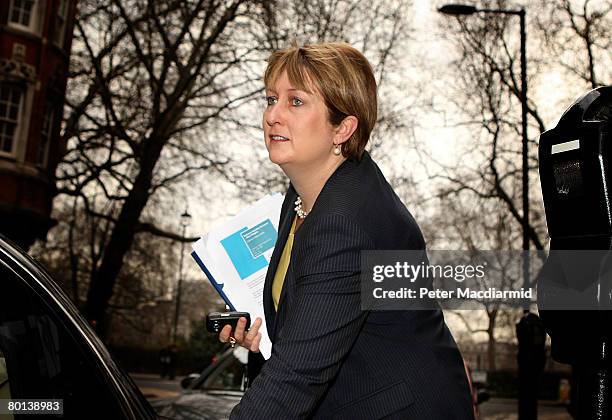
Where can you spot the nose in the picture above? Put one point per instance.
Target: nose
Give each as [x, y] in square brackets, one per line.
[273, 115]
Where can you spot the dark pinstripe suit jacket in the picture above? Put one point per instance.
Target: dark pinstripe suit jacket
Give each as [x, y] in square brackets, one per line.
[330, 359]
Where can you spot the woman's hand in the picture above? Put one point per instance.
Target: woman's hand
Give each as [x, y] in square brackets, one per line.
[250, 340]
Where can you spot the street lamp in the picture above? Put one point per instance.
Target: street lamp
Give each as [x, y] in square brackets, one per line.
[463, 10]
[185, 219]
[530, 325]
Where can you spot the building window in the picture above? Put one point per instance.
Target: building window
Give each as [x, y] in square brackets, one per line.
[46, 133]
[10, 106]
[60, 23]
[23, 14]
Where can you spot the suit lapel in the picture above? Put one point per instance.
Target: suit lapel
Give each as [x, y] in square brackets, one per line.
[284, 227]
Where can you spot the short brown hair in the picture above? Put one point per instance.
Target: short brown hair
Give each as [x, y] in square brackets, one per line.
[343, 77]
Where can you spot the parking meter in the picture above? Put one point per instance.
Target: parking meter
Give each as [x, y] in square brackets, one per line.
[575, 288]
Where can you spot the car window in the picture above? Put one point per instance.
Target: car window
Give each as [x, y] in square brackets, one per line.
[229, 376]
[43, 358]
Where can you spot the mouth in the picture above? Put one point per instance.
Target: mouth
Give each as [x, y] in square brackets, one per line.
[277, 138]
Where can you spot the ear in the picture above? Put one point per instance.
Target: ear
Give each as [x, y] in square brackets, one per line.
[345, 129]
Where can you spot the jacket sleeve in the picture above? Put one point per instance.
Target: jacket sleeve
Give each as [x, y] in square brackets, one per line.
[322, 323]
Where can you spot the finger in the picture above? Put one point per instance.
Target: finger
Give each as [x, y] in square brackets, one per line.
[254, 347]
[225, 333]
[254, 330]
[239, 332]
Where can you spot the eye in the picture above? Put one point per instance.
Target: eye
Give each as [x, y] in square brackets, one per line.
[271, 100]
[296, 102]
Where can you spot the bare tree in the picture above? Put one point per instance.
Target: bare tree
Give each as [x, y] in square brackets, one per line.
[156, 87]
[144, 73]
[485, 96]
[487, 90]
[482, 231]
[579, 35]
[145, 282]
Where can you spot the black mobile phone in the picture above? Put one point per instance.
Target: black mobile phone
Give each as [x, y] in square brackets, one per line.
[215, 321]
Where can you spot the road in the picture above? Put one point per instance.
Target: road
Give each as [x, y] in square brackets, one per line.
[495, 409]
[153, 387]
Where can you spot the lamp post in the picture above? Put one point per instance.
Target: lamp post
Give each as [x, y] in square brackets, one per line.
[185, 219]
[464, 9]
[529, 330]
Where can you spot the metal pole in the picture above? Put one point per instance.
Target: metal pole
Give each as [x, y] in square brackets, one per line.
[528, 366]
[178, 290]
[525, 152]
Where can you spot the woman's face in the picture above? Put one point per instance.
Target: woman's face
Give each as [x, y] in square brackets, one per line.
[296, 126]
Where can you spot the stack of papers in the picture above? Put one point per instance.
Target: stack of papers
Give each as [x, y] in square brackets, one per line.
[235, 257]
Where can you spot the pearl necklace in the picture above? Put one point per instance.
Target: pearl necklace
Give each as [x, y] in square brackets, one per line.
[301, 213]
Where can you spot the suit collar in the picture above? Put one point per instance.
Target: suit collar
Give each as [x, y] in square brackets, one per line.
[334, 184]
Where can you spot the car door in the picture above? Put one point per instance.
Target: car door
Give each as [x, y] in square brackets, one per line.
[47, 350]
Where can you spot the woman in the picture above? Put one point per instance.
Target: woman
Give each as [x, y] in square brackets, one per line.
[329, 358]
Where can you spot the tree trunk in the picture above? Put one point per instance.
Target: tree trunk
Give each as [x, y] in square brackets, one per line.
[491, 343]
[122, 236]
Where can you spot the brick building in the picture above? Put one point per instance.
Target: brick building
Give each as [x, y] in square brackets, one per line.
[35, 39]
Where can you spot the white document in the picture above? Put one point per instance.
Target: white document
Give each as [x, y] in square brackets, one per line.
[235, 257]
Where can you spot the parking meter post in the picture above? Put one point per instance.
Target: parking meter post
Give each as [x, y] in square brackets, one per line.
[575, 291]
[531, 359]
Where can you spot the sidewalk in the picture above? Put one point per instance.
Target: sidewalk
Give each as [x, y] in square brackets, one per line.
[513, 401]
[506, 409]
